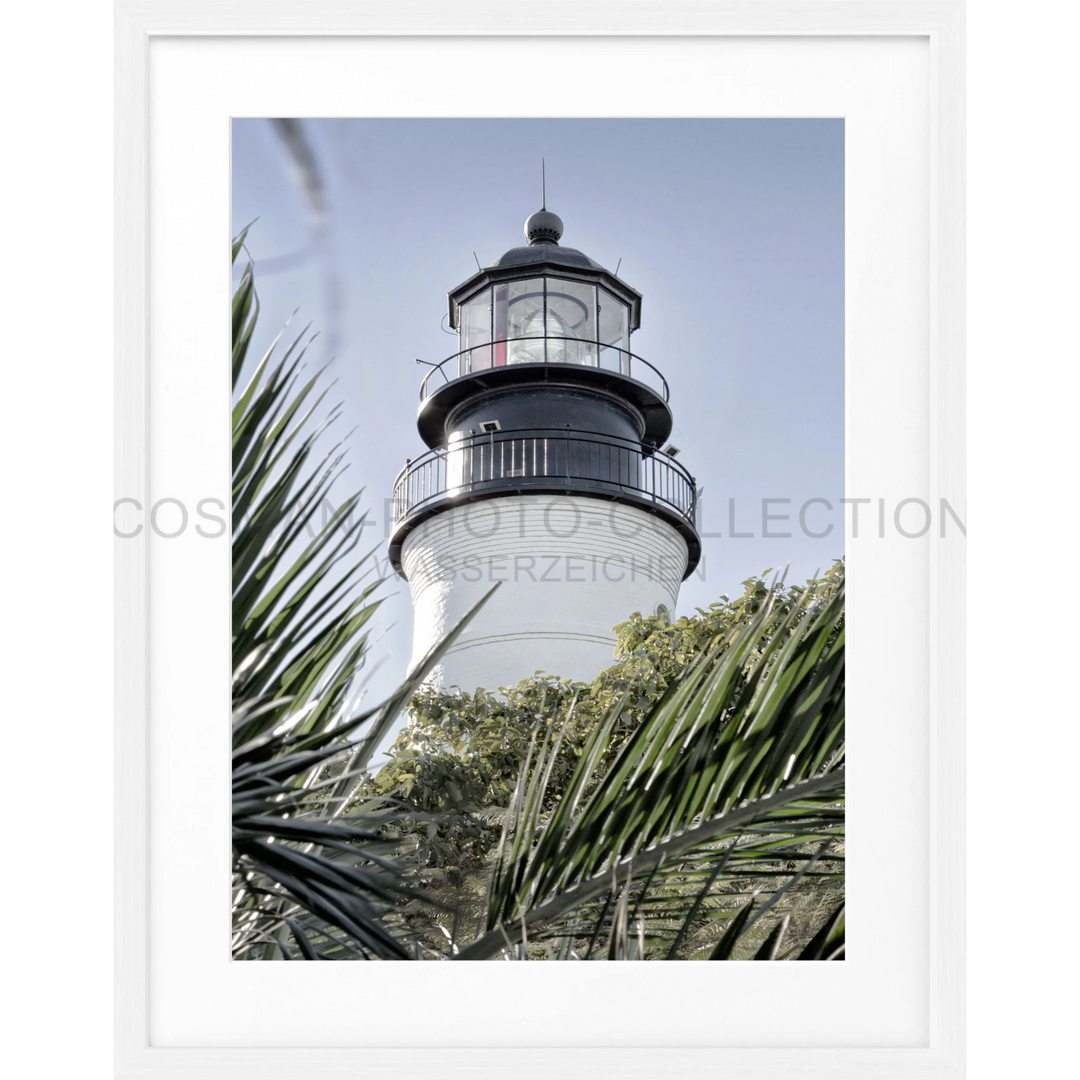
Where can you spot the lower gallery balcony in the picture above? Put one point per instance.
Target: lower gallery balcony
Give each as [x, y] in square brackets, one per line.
[541, 461]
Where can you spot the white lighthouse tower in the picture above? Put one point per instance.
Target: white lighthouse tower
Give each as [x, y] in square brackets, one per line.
[545, 472]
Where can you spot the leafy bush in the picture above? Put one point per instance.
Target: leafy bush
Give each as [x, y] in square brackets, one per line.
[459, 755]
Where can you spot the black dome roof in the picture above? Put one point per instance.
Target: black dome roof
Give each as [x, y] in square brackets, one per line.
[547, 253]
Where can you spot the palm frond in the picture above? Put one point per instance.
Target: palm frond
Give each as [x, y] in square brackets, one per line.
[740, 764]
[314, 876]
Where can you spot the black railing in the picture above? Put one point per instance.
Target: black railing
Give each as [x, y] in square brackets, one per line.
[545, 458]
[543, 350]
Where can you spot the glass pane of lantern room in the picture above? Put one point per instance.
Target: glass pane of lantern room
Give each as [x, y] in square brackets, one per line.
[525, 319]
[614, 321]
[475, 323]
[571, 322]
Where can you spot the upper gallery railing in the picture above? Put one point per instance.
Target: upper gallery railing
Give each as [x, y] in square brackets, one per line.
[543, 350]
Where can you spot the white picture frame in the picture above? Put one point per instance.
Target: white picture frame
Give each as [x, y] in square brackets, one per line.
[137, 25]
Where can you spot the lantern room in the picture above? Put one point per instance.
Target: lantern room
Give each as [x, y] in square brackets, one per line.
[544, 304]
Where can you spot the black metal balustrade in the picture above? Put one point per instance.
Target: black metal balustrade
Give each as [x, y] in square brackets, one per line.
[547, 459]
[543, 350]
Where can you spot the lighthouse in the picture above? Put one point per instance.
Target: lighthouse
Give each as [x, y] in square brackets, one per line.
[548, 470]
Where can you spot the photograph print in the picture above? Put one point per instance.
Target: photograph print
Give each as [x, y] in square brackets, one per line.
[538, 523]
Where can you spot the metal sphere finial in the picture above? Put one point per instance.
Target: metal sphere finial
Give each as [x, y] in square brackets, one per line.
[543, 227]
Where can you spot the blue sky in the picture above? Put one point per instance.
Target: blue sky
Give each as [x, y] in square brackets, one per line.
[733, 230]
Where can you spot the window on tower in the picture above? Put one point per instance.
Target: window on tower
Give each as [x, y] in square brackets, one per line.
[614, 336]
[571, 322]
[476, 333]
[525, 321]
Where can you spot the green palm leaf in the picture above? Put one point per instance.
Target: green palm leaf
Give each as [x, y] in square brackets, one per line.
[741, 762]
[314, 875]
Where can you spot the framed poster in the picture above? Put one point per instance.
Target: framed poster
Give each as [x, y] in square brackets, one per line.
[893, 72]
